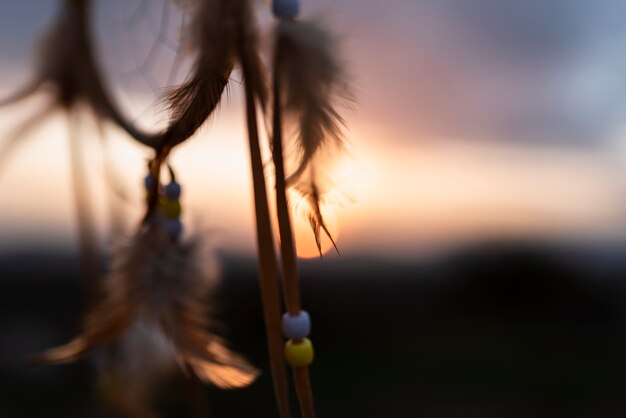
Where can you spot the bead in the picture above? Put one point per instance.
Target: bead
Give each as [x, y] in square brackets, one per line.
[170, 208]
[297, 327]
[172, 190]
[147, 181]
[286, 9]
[299, 354]
[173, 227]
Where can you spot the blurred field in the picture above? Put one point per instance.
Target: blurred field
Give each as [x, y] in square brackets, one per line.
[497, 330]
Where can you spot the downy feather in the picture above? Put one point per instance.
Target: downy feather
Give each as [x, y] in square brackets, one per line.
[164, 284]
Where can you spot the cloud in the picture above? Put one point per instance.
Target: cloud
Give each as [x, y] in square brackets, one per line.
[503, 70]
[494, 69]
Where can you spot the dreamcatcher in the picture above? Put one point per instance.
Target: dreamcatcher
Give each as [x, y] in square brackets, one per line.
[158, 277]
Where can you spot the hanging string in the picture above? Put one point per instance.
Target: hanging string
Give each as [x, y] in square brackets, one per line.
[307, 80]
[298, 349]
[222, 32]
[268, 270]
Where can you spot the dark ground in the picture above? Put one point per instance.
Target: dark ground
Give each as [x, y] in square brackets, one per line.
[497, 330]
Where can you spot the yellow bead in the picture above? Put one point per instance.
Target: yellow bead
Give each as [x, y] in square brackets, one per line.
[299, 354]
[170, 208]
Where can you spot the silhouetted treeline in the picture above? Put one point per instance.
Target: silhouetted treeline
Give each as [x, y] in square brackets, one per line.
[493, 330]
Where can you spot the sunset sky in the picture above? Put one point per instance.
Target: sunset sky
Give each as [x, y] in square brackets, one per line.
[474, 119]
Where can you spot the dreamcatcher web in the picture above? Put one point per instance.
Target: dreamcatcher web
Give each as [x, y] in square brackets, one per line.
[139, 51]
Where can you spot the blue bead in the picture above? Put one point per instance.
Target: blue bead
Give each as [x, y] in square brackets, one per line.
[286, 9]
[296, 327]
[172, 190]
[147, 181]
[173, 227]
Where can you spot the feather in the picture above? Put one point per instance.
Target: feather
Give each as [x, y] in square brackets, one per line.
[66, 64]
[248, 49]
[309, 191]
[163, 283]
[312, 82]
[216, 34]
[232, 371]
[66, 61]
[209, 35]
[59, 59]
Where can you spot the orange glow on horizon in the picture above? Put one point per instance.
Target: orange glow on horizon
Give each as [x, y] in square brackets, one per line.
[398, 195]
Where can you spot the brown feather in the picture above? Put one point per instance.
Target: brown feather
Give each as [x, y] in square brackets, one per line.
[217, 30]
[209, 36]
[165, 284]
[313, 82]
[248, 47]
[66, 64]
[231, 372]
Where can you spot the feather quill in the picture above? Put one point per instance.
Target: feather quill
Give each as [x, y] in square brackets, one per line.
[163, 283]
[312, 84]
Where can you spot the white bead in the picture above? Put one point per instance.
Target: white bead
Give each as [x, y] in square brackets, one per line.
[173, 227]
[296, 327]
[286, 9]
[172, 190]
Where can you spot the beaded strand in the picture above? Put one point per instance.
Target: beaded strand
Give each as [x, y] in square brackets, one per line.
[169, 207]
[296, 323]
[298, 349]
